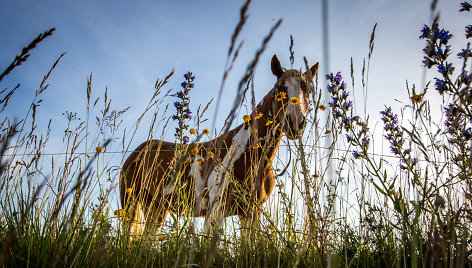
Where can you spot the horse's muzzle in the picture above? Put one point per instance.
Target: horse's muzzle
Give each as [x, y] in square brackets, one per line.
[293, 131]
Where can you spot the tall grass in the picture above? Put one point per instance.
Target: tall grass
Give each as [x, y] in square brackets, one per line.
[409, 208]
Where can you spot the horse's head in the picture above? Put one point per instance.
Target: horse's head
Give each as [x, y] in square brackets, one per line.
[290, 97]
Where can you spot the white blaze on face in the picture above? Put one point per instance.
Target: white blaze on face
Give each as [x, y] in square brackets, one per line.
[216, 184]
[295, 112]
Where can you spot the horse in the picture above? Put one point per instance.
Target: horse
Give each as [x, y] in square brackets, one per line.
[222, 175]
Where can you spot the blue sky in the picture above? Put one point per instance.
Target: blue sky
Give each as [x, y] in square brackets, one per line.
[127, 45]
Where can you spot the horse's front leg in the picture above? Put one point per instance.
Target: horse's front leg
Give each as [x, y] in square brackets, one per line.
[155, 215]
[217, 202]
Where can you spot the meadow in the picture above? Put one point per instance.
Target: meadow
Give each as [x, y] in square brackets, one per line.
[337, 201]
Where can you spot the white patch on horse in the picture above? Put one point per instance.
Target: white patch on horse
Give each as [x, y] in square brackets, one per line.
[295, 112]
[200, 184]
[217, 185]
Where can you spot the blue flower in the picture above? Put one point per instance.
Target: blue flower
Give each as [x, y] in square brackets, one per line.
[189, 76]
[468, 31]
[425, 32]
[185, 140]
[356, 155]
[445, 68]
[440, 85]
[348, 105]
[338, 77]
[464, 53]
[348, 138]
[443, 53]
[177, 104]
[465, 7]
[335, 100]
[467, 134]
[345, 94]
[465, 78]
[365, 143]
[428, 63]
[333, 89]
[394, 149]
[442, 35]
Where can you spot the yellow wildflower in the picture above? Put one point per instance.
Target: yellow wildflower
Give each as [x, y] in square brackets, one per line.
[258, 116]
[322, 107]
[193, 131]
[129, 190]
[194, 151]
[206, 131]
[294, 101]
[247, 118]
[200, 160]
[120, 212]
[257, 146]
[328, 131]
[416, 98]
[99, 149]
[161, 238]
[316, 176]
[125, 219]
[211, 154]
[269, 122]
[254, 130]
[280, 96]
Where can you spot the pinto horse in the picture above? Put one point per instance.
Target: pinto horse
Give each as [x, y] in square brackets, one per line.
[222, 175]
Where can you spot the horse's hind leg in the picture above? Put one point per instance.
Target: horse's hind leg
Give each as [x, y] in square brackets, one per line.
[136, 220]
[155, 217]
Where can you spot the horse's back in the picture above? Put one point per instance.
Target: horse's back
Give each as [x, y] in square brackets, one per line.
[149, 161]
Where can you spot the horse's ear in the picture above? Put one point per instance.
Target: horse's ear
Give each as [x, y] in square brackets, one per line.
[276, 67]
[314, 70]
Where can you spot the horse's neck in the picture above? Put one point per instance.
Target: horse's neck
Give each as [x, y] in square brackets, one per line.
[269, 129]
